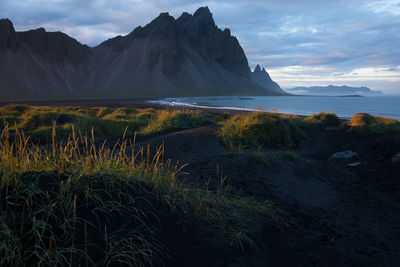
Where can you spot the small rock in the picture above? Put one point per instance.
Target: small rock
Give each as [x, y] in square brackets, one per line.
[396, 158]
[343, 155]
[354, 164]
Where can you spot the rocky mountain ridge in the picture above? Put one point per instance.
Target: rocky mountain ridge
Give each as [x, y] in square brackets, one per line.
[187, 56]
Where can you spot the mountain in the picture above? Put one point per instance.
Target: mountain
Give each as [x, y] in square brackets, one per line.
[39, 64]
[187, 56]
[261, 77]
[332, 90]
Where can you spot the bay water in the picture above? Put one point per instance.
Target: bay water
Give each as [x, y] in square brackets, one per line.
[344, 107]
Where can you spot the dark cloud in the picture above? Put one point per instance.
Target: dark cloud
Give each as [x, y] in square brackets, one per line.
[344, 35]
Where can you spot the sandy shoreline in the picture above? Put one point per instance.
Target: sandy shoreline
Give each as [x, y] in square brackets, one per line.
[141, 103]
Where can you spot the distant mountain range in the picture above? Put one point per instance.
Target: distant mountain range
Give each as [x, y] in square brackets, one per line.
[188, 56]
[332, 90]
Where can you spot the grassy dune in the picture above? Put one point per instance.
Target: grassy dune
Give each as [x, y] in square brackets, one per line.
[110, 123]
[76, 189]
[74, 200]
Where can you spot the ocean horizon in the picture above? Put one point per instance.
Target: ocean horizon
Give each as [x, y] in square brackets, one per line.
[342, 106]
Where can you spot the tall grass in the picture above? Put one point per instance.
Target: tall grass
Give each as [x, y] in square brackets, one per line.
[77, 202]
[255, 129]
[53, 197]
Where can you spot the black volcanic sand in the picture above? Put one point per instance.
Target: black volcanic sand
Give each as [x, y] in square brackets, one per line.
[333, 214]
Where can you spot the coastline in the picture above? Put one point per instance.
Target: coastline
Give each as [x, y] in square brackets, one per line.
[128, 103]
[171, 104]
[343, 107]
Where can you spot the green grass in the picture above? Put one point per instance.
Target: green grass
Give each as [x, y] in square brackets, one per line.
[366, 123]
[325, 118]
[256, 129]
[107, 123]
[39, 126]
[14, 110]
[79, 202]
[166, 121]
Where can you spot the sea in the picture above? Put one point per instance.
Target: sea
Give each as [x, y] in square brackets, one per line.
[344, 107]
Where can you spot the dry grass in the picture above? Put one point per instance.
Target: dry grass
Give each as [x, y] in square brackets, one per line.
[366, 123]
[76, 201]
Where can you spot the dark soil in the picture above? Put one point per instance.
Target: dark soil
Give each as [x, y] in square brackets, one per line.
[334, 215]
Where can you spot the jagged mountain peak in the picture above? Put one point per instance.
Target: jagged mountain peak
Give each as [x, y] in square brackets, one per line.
[198, 26]
[184, 18]
[163, 18]
[202, 12]
[202, 33]
[162, 26]
[261, 76]
[204, 16]
[7, 34]
[227, 32]
[260, 71]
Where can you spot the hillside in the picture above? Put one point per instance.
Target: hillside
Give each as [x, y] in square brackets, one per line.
[187, 56]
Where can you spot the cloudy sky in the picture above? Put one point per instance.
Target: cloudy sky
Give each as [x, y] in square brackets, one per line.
[307, 42]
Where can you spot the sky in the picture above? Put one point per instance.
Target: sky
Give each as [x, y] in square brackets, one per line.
[300, 43]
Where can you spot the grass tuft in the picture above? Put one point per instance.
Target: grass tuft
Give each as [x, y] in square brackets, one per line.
[173, 120]
[366, 123]
[324, 118]
[255, 129]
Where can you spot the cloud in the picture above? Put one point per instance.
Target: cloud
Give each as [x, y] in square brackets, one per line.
[385, 6]
[338, 35]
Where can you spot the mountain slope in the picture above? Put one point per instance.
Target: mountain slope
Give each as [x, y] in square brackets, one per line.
[261, 77]
[188, 56]
[37, 63]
